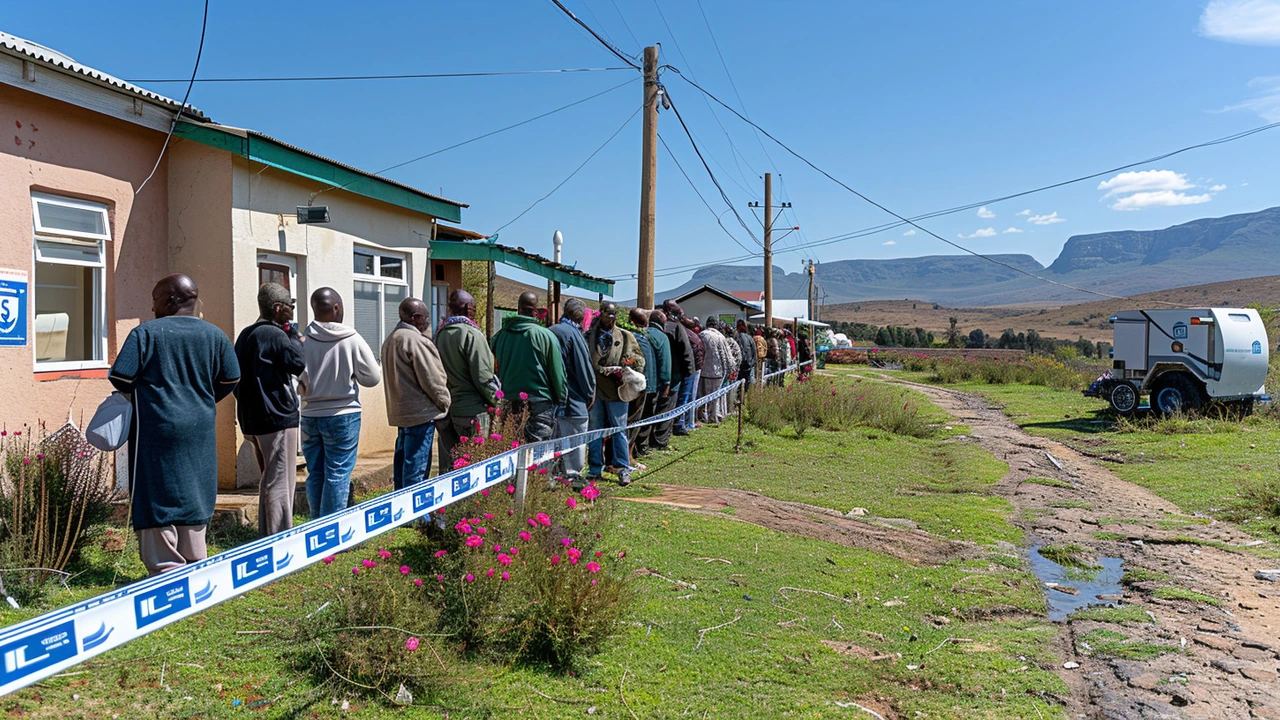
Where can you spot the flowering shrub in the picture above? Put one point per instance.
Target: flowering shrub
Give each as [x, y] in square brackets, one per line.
[54, 487]
[831, 404]
[846, 357]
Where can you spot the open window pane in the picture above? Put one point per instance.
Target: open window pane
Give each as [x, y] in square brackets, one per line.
[54, 217]
[72, 252]
[65, 313]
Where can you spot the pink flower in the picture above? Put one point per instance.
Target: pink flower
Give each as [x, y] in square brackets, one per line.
[514, 551]
[441, 553]
[593, 582]
[506, 575]
[571, 503]
[474, 541]
[593, 566]
[524, 396]
[355, 571]
[489, 573]
[511, 512]
[495, 436]
[497, 412]
[532, 522]
[327, 560]
[481, 531]
[542, 471]
[384, 554]
[622, 554]
[574, 553]
[525, 536]
[463, 527]
[555, 559]
[566, 541]
[515, 444]
[439, 578]
[485, 492]
[488, 516]
[599, 554]
[573, 560]
[543, 519]
[531, 468]
[404, 569]
[39, 456]
[470, 577]
[497, 547]
[459, 464]
[590, 492]
[504, 559]
[479, 439]
[464, 439]
[466, 456]
[411, 644]
[418, 581]
[511, 489]
[833, 392]
[26, 461]
[369, 563]
[499, 395]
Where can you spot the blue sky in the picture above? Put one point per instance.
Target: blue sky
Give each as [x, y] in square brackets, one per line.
[921, 105]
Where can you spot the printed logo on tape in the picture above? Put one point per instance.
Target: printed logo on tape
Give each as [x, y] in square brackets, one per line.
[377, 517]
[322, 539]
[160, 603]
[424, 499]
[37, 651]
[461, 483]
[251, 567]
[493, 471]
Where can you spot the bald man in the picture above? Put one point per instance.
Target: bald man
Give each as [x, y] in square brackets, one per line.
[417, 392]
[176, 367]
[338, 362]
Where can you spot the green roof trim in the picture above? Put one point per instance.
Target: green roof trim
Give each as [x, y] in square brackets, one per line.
[454, 250]
[268, 151]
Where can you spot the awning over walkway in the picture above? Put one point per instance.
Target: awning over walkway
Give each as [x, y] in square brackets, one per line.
[802, 321]
[518, 258]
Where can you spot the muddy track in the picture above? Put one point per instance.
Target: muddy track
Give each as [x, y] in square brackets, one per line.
[1223, 662]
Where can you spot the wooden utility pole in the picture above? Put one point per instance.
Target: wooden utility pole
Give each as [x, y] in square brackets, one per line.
[812, 328]
[648, 181]
[768, 249]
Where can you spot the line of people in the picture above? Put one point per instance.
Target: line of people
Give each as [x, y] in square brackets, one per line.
[303, 387]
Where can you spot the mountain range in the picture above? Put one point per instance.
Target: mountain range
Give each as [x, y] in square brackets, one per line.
[1125, 262]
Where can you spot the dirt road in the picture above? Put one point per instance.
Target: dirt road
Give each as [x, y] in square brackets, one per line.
[1223, 662]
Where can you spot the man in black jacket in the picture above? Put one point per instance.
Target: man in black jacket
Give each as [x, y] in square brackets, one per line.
[683, 368]
[270, 356]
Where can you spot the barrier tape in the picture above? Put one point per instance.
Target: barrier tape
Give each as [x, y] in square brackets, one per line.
[35, 649]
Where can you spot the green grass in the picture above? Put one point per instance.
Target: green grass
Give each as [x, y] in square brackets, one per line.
[1134, 574]
[766, 659]
[1117, 615]
[1069, 556]
[1179, 593]
[1050, 482]
[1111, 644]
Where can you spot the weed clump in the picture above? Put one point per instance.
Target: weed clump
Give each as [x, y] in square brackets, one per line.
[1069, 556]
[828, 404]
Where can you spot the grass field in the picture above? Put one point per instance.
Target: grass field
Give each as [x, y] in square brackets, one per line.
[740, 621]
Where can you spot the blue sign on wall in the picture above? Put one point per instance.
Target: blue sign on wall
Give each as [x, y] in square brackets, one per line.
[13, 308]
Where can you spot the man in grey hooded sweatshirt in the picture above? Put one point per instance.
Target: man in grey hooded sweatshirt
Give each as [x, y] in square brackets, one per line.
[338, 361]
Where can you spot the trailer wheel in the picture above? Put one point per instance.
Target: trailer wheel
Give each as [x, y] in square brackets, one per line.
[1174, 393]
[1123, 398]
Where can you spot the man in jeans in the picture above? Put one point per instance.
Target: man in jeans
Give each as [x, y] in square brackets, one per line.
[580, 382]
[656, 437]
[690, 393]
[682, 365]
[468, 364]
[527, 357]
[338, 362]
[417, 392]
[611, 348]
[270, 356]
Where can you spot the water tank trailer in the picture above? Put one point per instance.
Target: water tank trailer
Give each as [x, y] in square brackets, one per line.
[1183, 359]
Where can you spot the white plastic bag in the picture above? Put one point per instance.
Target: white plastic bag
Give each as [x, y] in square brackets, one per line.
[109, 428]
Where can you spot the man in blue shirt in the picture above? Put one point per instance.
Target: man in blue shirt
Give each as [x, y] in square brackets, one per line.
[580, 379]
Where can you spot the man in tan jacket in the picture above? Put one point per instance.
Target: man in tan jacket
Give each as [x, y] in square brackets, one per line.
[417, 392]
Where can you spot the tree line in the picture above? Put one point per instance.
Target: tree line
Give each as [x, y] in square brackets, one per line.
[1009, 339]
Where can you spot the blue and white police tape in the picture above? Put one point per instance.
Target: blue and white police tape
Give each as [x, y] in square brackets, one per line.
[33, 650]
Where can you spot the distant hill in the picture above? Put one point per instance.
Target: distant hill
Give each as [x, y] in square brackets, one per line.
[1119, 263]
[1066, 322]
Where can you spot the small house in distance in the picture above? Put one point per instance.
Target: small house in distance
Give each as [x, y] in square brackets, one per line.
[711, 301]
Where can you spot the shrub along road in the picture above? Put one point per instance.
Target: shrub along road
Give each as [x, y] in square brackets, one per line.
[1196, 633]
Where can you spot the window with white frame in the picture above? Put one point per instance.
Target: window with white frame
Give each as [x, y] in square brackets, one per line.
[69, 292]
[381, 283]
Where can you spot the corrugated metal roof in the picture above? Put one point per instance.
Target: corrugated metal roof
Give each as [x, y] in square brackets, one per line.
[53, 58]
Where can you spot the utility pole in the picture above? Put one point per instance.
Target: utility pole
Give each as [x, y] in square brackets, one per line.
[768, 249]
[648, 181]
[813, 329]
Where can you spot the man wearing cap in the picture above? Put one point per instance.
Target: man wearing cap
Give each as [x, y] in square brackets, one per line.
[612, 349]
[270, 356]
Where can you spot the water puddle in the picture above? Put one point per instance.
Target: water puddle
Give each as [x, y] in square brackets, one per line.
[1089, 584]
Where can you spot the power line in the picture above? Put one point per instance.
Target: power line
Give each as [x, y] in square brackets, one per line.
[625, 24]
[706, 167]
[409, 76]
[699, 193]
[732, 84]
[956, 245]
[575, 171]
[204, 25]
[491, 133]
[608, 45]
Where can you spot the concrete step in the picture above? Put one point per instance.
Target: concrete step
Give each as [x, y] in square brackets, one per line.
[372, 472]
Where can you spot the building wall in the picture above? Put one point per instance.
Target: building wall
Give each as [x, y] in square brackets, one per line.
[263, 220]
[55, 147]
[704, 304]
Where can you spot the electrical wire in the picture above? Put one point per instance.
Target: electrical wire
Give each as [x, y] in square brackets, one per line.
[956, 245]
[491, 133]
[706, 167]
[412, 76]
[575, 171]
[608, 45]
[680, 167]
[732, 84]
[625, 24]
[204, 25]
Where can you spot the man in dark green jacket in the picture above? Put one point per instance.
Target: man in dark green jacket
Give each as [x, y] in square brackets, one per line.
[468, 365]
[531, 369]
[653, 437]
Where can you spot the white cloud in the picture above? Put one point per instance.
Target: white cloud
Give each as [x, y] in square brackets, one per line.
[1265, 101]
[984, 232]
[984, 213]
[889, 243]
[1159, 198]
[1217, 188]
[1024, 212]
[909, 233]
[1050, 219]
[1249, 22]
[1244, 184]
[1145, 181]
[1012, 230]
